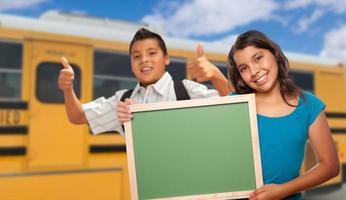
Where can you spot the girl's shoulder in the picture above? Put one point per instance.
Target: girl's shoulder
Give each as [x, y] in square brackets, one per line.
[233, 93]
[309, 98]
[311, 105]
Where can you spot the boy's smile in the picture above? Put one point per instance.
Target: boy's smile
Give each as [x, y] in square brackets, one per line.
[146, 70]
[148, 61]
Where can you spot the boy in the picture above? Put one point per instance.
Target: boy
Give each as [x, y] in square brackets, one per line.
[149, 58]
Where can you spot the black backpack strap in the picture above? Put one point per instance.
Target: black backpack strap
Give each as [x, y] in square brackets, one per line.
[180, 90]
[126, 95]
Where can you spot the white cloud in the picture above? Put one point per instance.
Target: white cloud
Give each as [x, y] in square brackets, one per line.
[294, 4]
[78, 12]
[319, 7]
[18, 4]
[304, 23]
[229, 40]
[337, 6]
[205, 17]
[335, 44]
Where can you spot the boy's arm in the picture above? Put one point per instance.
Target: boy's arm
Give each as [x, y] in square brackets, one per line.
[221, 83]
[202, 70]
[73, 107]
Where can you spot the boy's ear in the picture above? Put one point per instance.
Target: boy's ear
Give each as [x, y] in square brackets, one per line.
[167, 61]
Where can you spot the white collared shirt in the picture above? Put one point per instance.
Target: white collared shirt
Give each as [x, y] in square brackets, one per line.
[101, 113]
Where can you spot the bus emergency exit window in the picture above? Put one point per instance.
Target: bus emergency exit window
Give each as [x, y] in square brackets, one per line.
[47, 89]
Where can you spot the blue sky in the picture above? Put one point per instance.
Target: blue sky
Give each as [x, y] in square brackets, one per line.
[305, 26]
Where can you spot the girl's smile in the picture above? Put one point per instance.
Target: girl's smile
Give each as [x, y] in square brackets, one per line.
[258, 68]
[261, 79]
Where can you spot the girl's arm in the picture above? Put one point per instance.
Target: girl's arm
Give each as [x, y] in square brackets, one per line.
[328, 162]
[328, 165]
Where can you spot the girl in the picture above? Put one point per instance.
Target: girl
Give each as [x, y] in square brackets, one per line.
[287, 118]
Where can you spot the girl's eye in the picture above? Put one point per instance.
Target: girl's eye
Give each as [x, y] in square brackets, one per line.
[258, 58]
[242, 69]
[135, 57]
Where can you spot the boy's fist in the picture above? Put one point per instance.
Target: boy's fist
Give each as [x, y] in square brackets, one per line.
[66, 76]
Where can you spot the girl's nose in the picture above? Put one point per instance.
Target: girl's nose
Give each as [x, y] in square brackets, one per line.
[254, 69]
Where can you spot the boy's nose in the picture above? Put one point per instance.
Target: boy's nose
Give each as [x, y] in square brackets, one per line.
[144, 59]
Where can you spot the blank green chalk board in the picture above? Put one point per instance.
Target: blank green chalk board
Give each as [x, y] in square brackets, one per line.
[195, 149]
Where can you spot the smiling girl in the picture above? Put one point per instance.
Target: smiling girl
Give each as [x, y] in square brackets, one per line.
[287, 118]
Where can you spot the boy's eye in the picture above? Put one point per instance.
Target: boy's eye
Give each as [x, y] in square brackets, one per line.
[152, 53]
[135, 57]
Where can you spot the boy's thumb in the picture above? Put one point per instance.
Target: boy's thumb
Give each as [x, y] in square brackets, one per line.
[200, 50]
[129, 101]
[65, 63]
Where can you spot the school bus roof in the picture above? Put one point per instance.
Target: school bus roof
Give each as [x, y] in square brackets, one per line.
[122, 31]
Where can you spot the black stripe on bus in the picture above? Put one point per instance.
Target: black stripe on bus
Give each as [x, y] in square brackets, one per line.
[72, 171]
[14, 104]
[107, 148]
[103, 133]
[14, 130]
[338, 130]
[335, 115]
[12, 151]
[343, 167]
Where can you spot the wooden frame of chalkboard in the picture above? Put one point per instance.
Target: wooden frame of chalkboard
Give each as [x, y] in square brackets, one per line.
[194, 149]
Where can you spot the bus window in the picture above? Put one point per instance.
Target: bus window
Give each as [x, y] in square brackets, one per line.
[177, 68]
[304, 80]
[47, 89]
[112, 72]
[222, 67]
[10, 70]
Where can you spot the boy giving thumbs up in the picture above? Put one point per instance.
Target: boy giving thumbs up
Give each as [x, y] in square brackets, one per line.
[149, 58]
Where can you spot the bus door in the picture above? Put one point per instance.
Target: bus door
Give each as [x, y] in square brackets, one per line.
[53, 142]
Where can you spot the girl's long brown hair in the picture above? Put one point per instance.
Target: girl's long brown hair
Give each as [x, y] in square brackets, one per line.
[288, 89]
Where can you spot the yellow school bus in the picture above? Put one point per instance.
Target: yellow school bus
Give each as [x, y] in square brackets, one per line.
[43, 156]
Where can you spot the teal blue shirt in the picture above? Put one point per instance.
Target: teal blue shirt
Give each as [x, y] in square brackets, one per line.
[283, 140]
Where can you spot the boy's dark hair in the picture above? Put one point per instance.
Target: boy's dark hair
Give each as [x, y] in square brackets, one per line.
[143, 33]
[288, 89]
